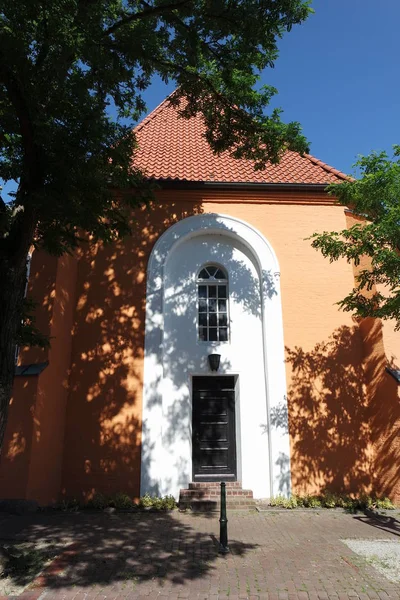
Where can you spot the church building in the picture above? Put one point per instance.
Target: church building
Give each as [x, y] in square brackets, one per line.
[207, 346]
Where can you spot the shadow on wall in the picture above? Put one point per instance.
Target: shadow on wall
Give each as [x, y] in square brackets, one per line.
[384, 411]
[103, 426]
[102, 443]
[341, 437]
[339, 415]
[102, 449]
[27, 422]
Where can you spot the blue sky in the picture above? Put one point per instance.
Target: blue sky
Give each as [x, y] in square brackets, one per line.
[338, 75]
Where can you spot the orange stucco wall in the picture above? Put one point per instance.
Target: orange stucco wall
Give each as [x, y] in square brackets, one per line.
[381, 347]
[385, 418]
[49, 416]
[31, 459]
[87, 404]
[15, 457]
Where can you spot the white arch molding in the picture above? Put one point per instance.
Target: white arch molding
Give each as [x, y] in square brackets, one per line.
[155, 475]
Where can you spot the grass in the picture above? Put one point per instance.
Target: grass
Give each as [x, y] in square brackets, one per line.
[23, 562]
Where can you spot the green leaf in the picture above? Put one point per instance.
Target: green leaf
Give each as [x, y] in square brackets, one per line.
[375, 197]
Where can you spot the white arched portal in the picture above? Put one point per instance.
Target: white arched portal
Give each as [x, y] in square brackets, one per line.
[254, 354]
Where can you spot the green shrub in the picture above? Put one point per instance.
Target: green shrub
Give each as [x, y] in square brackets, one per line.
[330, 499]
[343, 501]
[277, 501]
[295, 502]
[385, 503]
[122, 501]
[98, 502]
[146, 501]
[283, 502]
[169, 502]
[363, 501]
[157, 503]
[68, 505]
[310, 501]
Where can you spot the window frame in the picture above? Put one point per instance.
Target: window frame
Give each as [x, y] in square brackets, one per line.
[207, 283]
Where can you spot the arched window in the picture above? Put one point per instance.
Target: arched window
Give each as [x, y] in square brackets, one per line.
[212, 293]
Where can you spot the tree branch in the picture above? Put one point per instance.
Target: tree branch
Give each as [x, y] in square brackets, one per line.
[203, 43]
[23, 225]
[17, 99]
[149, 12]
[44, 50]
[201, 78]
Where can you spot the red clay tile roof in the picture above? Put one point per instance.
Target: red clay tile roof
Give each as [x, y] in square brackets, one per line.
[174, 148]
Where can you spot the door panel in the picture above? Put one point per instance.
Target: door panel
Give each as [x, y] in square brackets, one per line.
[213, 427]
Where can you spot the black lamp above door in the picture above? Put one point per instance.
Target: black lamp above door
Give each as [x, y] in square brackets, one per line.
[213, 361]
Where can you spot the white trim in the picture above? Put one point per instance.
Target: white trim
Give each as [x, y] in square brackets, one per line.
[153, 478]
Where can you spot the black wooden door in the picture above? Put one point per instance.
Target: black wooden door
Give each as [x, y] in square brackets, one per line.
[213, 427]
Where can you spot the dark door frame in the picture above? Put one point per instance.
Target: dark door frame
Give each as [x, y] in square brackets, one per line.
[232, 470]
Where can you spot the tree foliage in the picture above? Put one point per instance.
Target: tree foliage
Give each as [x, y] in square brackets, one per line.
[64, 62]
[375, 197]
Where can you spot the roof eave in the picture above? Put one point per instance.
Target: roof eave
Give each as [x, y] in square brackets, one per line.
[233, 185]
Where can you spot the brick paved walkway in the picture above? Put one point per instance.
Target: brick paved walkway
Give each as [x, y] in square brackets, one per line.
[275, 556]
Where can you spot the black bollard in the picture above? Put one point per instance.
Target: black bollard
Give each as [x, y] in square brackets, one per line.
[223, 530]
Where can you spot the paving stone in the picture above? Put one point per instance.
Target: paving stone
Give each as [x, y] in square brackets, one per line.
[174, 556]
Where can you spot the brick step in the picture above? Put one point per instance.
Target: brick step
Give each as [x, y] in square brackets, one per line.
[205, 497]
[194, 485]
[213, 493]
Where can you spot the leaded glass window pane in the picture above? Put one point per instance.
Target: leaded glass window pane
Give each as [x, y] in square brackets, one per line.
[222, 305]
[223, 334]
[203, 334]
[222, 291]
[212, 321]
[213, 334]
[223, 320]
[204, 274]
[203, 319]
[213, 304]
[202, 304]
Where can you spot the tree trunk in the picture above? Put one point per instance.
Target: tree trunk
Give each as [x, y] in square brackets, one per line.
[12, 291]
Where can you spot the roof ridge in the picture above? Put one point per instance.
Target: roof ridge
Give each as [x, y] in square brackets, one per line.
[328, 168]
[152, 114]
